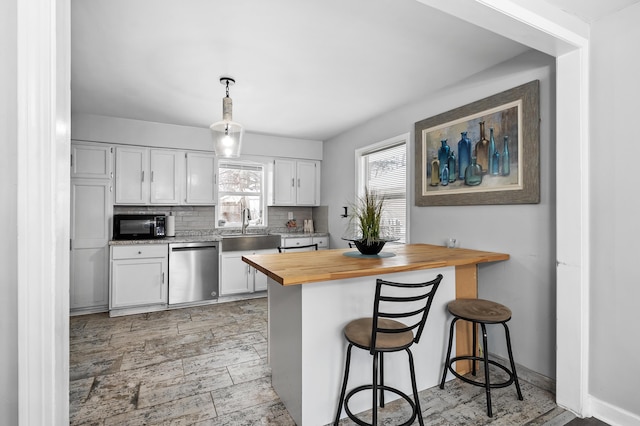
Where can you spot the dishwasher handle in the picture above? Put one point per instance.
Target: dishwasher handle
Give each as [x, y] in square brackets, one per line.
[193, 248]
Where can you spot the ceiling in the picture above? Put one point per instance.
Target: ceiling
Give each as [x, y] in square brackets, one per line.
[305, 69]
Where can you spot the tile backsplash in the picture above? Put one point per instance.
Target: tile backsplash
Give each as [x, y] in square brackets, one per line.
[201, 219]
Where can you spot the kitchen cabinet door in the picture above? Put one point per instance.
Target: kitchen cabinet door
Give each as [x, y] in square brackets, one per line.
[284, 182]
[132, 175]
[260, 279]
[297, 242]
[306, 183]
[201, 178]
[91, 160]
[234, 274]
[139, 275]
[91, 215]
[323, 242]
[166, 175]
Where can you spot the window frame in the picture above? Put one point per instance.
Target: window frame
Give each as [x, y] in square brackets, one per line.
[263, 193]
[360, 171]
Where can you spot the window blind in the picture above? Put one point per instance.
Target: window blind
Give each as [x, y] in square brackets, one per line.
[385, 172]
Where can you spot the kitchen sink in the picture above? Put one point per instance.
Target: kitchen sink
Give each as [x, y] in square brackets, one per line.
[246, 242]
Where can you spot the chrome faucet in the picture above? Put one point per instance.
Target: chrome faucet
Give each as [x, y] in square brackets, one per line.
[245, 213]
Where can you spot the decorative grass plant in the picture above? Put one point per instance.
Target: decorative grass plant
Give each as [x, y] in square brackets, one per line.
[367, 213]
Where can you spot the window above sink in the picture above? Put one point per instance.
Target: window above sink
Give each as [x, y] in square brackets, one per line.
[241, 184]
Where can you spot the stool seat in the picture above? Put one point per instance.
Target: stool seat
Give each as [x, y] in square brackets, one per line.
[358, 332]
[479, 310]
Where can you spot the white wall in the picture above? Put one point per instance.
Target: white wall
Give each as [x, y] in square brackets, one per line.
[526, 283]
[8, 215]
[98, 128]
[615, 227]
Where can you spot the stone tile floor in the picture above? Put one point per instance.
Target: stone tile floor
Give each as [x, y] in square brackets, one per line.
[207, 366]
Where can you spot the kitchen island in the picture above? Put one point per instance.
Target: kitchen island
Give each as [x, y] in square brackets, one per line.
[312, 295]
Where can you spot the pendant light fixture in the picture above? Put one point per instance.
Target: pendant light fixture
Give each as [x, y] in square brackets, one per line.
[227, 134]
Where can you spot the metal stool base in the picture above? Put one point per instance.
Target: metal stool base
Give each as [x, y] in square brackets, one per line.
[486, 384]
[352, 416]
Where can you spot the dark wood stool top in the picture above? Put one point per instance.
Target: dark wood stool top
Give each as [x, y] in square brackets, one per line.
[479, 310]
[358, 332]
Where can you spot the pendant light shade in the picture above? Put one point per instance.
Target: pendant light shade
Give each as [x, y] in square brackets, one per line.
[227, 134]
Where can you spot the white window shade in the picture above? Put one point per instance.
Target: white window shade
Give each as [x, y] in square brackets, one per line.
[383, 169]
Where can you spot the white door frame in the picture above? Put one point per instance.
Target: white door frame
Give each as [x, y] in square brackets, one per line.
[43, 210]
[43, 192]
[553, 31]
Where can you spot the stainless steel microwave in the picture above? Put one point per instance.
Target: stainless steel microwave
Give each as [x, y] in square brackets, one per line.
[138, 226]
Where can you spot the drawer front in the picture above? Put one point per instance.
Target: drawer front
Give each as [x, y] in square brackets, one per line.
[323, 242]
[141, 251]
[295, 242]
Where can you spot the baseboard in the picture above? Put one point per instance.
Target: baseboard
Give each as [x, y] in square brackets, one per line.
[538, 380]
[611, 414]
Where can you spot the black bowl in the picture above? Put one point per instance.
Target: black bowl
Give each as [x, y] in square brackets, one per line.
[369, 249]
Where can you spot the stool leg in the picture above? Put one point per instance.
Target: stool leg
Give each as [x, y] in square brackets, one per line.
[374, 405]
[381, 379]
[446, 360]
[513, 364]
[412, 371]
[487, 383]
[474, 330]
[344, 384]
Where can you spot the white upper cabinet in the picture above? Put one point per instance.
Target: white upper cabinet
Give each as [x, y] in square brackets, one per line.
[295, 183]
[201, 178]
[166, 176]
[132, 175]
[91, 160]
[307, 181]
[284, 183]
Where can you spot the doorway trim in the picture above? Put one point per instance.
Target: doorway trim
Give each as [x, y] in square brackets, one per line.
[559, 34]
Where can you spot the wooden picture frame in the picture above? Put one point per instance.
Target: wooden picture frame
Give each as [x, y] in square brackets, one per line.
[513, 113]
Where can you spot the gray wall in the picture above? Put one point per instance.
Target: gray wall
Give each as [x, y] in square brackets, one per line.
[526, 283]
[615, 208]
[8, 215]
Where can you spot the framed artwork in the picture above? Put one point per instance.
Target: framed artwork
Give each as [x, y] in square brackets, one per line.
[486, 152]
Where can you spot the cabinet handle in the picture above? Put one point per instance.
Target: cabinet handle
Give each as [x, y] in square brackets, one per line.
[293, 182]
[163, 278]
[143, 175]
[111, 175]
[298, 182]
[139, 252]
[152, 176]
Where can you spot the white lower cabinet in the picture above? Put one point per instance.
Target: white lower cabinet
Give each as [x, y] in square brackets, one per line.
[323, 242]
[139, 276]
[237, 277]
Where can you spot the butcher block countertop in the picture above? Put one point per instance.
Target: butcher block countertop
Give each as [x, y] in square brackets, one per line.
[294, 268]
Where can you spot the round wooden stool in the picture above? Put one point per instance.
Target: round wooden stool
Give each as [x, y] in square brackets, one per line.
[483, 312]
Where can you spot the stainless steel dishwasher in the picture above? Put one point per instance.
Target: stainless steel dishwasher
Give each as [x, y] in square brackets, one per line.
[193, 272]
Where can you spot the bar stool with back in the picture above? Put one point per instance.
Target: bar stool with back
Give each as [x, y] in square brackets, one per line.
[385, 333]
[483, 312]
